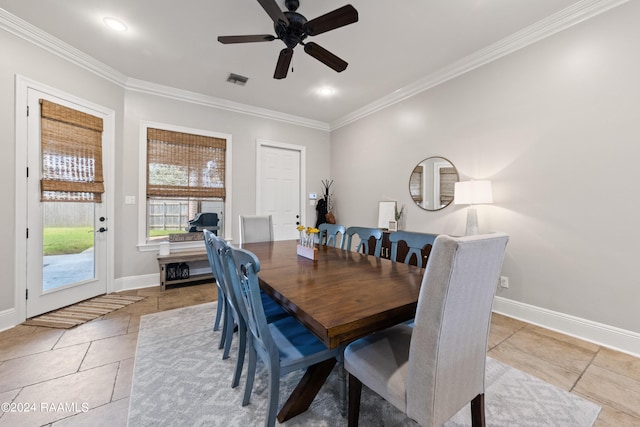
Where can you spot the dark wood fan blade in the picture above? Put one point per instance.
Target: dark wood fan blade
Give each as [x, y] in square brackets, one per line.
[274, 11]
[324, 56]
[246, 39]
[338, 18]
[282, 67]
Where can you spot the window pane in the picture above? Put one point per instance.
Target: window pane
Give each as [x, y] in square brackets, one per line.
[67, 244]
[167, 216]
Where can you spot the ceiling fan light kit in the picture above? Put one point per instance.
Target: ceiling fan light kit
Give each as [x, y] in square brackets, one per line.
[293, 28]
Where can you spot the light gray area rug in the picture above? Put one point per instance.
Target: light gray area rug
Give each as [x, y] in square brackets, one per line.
[180, 379]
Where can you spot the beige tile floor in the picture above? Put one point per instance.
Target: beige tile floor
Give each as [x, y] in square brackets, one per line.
[92, 364]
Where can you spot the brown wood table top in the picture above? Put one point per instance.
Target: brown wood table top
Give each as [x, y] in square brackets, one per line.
[343, 295]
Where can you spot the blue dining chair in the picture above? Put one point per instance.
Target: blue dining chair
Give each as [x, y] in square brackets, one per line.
[364, 233]
[284, 345]
[232, 317]
[219, 277]
[331, 232]
[415, 241]
[273, 311]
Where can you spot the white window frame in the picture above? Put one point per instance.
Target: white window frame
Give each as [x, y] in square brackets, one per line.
[145, 245]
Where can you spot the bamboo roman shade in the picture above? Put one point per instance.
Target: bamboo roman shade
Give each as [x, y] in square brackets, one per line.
[182, 165]
[71, 147]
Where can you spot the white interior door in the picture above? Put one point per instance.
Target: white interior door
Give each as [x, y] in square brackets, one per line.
[61, 270]
[279, 186]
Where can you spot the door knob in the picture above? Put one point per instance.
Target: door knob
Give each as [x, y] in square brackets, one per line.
[102, 229]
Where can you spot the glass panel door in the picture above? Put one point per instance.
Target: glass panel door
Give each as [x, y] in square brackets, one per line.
[66, 241]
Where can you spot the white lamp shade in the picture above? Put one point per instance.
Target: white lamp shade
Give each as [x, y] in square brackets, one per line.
[472, 192]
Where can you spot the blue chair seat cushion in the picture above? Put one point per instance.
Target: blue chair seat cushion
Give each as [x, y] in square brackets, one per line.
[295, 342]
[272, 310]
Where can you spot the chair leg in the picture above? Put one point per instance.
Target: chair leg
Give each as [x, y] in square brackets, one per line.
[228, 337]
[251, 374]
[216, 324]
[355, 390]
[225, 320]
[477, 411]
[274, 394]
[242, 341]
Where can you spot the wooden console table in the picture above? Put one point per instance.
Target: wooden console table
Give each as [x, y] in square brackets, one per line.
[179, 257]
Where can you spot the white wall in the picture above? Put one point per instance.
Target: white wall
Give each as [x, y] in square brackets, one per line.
[131, 106]
[555, 126]
[245, 131]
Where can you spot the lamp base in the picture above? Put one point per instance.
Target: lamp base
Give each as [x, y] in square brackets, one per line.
[472, 222]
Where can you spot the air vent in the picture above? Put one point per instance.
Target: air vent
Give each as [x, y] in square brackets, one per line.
[237, 79]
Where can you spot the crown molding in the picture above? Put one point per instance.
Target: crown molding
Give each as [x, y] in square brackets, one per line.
[553, 24]
[37, 37]
[223, 104]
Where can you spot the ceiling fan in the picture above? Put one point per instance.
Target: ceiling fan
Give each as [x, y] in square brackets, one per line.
[293, 28]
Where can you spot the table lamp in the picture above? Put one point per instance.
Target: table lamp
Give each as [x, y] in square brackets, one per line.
[472, 193]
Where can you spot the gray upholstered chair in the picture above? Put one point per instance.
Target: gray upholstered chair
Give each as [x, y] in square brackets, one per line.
[256, 228]
[364, 233]
[331, 232]
[434, 369]
[284, 345]
[415, 242]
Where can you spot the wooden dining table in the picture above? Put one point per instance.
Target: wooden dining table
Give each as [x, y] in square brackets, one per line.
[340, 297]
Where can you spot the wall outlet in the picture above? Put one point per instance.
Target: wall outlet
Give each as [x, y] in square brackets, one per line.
[504, 282]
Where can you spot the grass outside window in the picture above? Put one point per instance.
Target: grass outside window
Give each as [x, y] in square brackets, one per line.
[67, 240]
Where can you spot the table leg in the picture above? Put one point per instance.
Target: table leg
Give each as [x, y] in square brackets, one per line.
[306, 390]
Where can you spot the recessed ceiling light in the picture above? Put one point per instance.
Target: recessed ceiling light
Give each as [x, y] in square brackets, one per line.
[115, 24]
[326, 91]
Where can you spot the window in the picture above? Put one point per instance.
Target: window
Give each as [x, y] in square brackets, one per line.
[186, 180]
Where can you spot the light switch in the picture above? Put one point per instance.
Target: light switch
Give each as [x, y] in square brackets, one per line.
[129, 200]
[313, 196]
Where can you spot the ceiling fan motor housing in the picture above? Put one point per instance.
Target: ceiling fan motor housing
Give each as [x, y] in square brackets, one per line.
[293, 33]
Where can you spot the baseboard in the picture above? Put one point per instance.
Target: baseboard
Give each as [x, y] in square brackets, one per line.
[597, 333]
[8, 319]
[136, 282]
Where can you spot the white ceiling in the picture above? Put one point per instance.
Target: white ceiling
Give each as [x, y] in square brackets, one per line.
[394, 45]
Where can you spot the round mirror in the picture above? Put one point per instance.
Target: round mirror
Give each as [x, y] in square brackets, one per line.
[431, 183]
